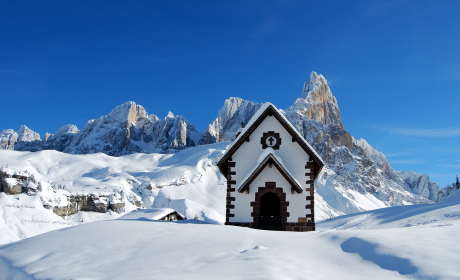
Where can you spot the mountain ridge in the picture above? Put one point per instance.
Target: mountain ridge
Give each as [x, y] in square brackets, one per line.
[354, 169]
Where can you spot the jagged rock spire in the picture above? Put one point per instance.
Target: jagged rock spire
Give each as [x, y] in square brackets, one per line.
[317, 102]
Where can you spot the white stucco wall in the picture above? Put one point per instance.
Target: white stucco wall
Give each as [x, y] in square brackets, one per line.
[294, 159]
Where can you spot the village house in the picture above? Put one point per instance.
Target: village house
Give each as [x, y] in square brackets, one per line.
[271, 171]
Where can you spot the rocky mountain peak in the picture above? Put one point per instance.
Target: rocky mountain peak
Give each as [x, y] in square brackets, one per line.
[229, 118]
[26, 134]
[170, 115]
[8, 138]
[128, 111]
[68, 128]
[421, 185]
[317, 102]
[46, 136]
[315, 81]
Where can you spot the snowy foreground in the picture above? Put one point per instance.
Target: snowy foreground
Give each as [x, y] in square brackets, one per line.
[188, 182]
[415, 241]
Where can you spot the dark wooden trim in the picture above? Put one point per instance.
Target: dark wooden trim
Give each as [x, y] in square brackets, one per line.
[229, 206]
[264, 137]
[270, 110]
[277, 164]
[286, 226]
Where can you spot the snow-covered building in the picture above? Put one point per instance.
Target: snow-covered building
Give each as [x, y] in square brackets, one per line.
[270, 170]
[160, 214]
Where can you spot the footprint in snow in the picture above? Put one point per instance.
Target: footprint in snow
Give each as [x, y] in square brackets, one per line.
[258, 247]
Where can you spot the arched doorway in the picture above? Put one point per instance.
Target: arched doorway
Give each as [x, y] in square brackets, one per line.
[270, 217]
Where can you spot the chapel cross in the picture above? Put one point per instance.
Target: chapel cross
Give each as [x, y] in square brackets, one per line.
[271, 139]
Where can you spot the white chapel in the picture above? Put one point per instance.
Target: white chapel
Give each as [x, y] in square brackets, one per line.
[271, 171]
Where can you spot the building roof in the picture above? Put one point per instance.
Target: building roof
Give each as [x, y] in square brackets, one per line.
[150, 214]
[268, 109]
[270, 158]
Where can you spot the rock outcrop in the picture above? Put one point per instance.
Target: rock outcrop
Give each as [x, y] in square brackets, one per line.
[235, 113]
[356, 177]
[12, 183]
[62, 202]
[355, 172]
[421, 185]
[127, 129]
[8, 138]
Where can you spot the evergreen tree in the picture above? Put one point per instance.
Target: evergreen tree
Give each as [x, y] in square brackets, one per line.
[457, 184]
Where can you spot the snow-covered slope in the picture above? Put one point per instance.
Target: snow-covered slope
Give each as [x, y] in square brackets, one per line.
[67, 185]
[406, 242]
[356, 177]
[454, 196]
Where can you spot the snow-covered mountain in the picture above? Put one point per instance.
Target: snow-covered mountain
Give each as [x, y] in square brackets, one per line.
[356, 177]
[127, 129]
[232, 116]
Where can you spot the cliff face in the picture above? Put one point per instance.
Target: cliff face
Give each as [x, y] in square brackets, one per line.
[61, 201]
[421, 185]
[127, 129]
[233, 115]
[8, 138]
[317, 102]
[356, 176]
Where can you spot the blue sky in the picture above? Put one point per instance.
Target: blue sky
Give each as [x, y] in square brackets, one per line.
[394, 66]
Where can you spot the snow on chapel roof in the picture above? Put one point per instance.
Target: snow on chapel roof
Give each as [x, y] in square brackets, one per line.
[268, 156]
[265, 110]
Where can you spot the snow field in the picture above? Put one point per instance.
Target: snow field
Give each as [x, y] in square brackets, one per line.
[414, 241]
[187, 181]
[369, 245]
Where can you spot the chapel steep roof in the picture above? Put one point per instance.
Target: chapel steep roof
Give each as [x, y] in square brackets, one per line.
[271, 159]
[268, 109]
